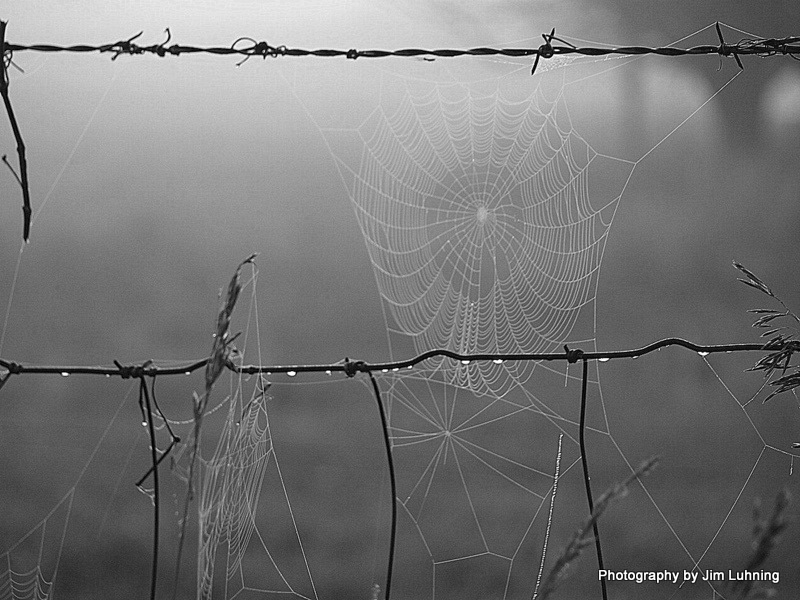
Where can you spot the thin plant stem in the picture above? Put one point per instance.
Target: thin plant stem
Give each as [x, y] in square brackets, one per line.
[549, 518]
[22, 179]
[582, 539]
[219, 360]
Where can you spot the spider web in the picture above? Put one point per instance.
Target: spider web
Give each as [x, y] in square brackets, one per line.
[485, 220]
[30, 566]
[480, 203]
[485, 214]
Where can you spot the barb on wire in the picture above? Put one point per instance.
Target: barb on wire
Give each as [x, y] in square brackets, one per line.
[724, 49]
[547, 50]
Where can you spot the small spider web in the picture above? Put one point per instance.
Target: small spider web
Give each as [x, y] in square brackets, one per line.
[28, 568]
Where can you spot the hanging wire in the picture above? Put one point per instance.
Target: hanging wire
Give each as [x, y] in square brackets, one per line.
[586, 479]
[147, 414]
[388, 443]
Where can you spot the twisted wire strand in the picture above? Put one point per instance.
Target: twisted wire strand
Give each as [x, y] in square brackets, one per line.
[349, 367]
[789, 46]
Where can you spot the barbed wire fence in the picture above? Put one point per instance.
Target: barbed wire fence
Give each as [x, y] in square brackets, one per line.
[249, 47]
[779, 349]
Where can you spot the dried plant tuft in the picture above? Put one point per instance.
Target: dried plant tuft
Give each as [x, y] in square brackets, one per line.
[221, 352]
[782, 343]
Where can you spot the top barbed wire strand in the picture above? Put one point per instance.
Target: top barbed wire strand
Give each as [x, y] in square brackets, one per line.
[788, 46]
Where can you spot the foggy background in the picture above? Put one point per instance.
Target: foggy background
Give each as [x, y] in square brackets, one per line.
[152, 178]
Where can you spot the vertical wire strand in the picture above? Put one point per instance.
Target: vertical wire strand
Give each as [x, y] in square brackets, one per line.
[586, 478]
[388, 443]
[143, 393]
